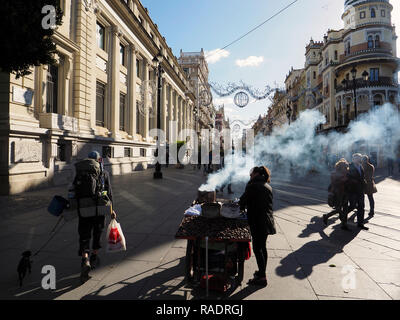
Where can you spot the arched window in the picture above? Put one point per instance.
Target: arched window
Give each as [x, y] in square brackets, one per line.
[377, 41]
[336, 55]
[373, 13]
[370, 42]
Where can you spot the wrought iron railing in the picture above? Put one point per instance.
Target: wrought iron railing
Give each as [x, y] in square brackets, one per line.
[361, 83]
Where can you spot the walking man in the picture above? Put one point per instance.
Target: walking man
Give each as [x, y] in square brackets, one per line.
[390, 166]
[93, 193]
[370, 187]
[356, 187]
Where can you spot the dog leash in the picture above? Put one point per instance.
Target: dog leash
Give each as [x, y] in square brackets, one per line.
[53, 233]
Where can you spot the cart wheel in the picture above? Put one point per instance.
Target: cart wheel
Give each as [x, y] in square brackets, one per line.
[189, 274]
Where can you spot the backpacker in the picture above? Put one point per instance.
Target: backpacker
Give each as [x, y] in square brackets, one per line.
[88, 179]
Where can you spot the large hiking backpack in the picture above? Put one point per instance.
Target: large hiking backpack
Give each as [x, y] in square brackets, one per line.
[88, 179]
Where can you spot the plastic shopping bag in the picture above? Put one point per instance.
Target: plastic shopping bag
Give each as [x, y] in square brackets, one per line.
[115, 237]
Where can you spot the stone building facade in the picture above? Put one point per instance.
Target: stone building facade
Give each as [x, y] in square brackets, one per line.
[196, 67]
[101, 95]
[366, 44]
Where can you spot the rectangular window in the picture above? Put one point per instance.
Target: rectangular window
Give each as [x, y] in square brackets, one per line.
[52, 89]
[107, 152]
[100, 104]
[383, 13]
[374, 74]
[314, 75]
[122, 54]
[61, 154]
[362, 15]
[122, 112]
[142, 152]
[138, 68]
[127, 152]
[100, 36]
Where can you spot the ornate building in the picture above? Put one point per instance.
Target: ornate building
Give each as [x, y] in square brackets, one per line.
[361, 56]
[362, 53]
[196, 67]
[101, 95]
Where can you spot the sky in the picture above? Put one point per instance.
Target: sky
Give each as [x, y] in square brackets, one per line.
[262, 58]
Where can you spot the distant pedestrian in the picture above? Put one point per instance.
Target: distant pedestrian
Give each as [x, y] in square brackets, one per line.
[356, 184]
[257, 198]
[92, 187]
[339, 179]
[229, 183]
[398, 163]
[370, 188]
[390, 164]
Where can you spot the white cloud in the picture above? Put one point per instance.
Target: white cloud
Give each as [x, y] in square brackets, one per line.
[215, 55]
[251, 61]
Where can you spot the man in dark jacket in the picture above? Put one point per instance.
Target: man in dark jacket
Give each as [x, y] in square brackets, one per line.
[258, 200]
[92, 224]
[356, 187]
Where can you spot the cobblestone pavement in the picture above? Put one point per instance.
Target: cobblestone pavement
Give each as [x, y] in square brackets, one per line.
[306, 259]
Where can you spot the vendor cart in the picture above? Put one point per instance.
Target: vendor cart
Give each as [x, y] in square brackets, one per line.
[215, 247]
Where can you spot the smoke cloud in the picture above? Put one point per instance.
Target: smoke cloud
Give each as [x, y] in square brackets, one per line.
[298, 148]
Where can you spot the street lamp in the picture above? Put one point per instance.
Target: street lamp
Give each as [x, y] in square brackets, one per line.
[365, 75]
[159, 71]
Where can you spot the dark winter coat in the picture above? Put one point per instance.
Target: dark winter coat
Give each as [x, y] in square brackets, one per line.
[369, 171]
[257, 198]
[356, 181]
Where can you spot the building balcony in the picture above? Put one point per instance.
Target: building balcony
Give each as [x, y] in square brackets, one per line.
[361, 83]
[382, 51]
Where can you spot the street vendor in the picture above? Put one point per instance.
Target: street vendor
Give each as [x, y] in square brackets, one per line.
[257, 198]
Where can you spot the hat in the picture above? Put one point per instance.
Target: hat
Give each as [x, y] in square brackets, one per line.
[94, 155]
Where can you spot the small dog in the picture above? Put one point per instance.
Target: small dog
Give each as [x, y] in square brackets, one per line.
[25, 264]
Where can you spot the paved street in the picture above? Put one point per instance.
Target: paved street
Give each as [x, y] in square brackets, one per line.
[306, 260]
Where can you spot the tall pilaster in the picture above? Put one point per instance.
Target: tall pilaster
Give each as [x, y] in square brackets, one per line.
[164, 110]
[115, 81]
[146, 101]
[170, 112]
[132, 90]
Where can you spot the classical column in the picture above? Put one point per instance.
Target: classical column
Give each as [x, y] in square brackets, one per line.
[146, 101]
[176, 108]
[170, 112]
[164, 107]
[115, 82]
[66, 62]
[132, 90]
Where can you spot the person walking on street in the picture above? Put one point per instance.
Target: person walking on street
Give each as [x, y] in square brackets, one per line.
[390, 164]
[229, 183]
[92, 188]
[339, 180]
[356, 185]
[257, 198]
[398, 163]
[370, 188]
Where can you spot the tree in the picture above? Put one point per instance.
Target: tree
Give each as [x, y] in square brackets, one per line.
[26, 34]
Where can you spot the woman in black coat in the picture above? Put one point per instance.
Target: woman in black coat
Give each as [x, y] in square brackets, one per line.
[258, 200]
